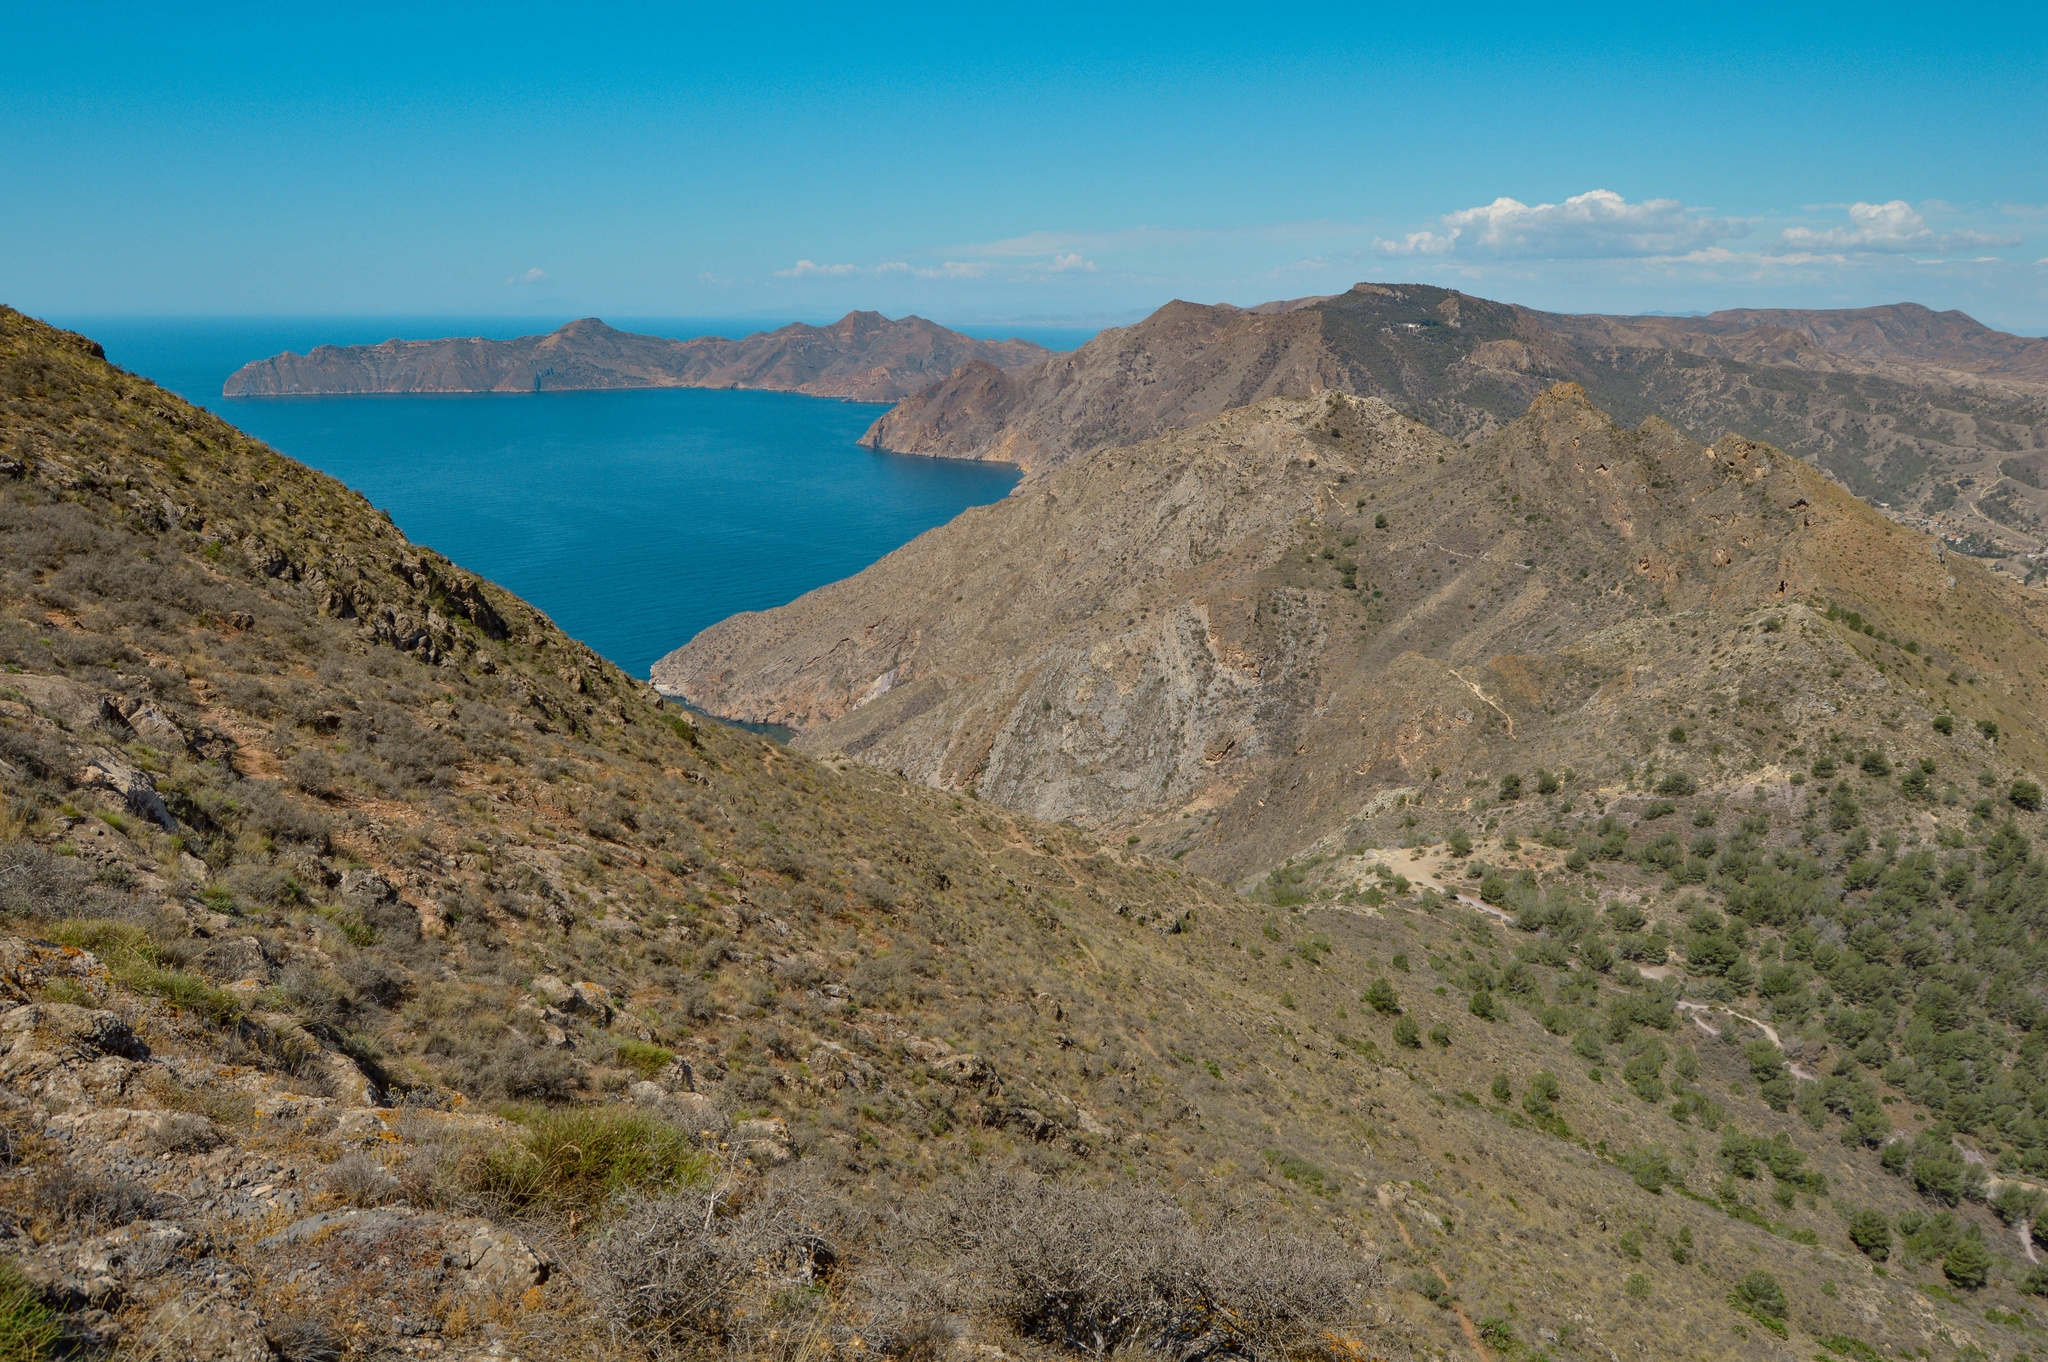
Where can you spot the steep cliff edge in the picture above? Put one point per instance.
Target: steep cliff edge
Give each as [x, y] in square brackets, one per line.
[863, 357]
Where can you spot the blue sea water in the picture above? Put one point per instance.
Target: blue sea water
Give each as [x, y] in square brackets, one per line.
[634, 519]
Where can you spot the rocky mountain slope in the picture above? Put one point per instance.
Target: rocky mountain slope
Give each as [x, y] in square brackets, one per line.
[1904, 406]
[387, 976]
[1902, 333]
[863, 357]
[1234, 640]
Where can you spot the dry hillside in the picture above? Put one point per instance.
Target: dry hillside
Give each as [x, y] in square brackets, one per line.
[1236, 640]
[387, 976]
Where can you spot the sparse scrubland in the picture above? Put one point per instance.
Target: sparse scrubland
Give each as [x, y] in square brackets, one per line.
[389, 976]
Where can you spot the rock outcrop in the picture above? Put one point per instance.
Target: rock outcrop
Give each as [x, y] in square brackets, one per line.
[863, 357]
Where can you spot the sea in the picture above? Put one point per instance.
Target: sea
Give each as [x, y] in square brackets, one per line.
[635, 519]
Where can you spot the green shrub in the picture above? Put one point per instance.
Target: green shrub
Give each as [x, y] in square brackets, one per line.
[642, 1058]
[1760, 1295]
[1637, 1286]
[1944, 723]
[187, 992]
[1501, 1090]
[1870, 1232]
[1407, 1034]
[1382, 998]
[1677, 783]
[1989, 728]
[1850, 1347]
[1651, 1168]
[1431, 1288]
[1967, 1264]
[577, 1160]
[1440, 1036]
[1298, 1170]
[2025, 794]
[28, 1332]
[1544, 1093]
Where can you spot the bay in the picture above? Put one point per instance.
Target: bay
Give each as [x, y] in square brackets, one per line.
[634, 519]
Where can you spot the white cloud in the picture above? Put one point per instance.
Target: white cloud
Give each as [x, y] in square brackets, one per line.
[536, 275]
[1894, 227]
[804, 269]
[1073, 260]
[1595, 225]
[951, 269]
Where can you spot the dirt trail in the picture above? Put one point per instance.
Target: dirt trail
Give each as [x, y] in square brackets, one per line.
[1386, 1196]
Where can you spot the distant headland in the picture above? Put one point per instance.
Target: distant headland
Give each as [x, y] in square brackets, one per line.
[862, 357]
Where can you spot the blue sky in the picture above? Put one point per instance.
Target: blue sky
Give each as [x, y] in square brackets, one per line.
[1018, 163]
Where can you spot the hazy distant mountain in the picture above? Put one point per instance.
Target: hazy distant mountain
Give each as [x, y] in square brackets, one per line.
[1904, 405]
[863, 356]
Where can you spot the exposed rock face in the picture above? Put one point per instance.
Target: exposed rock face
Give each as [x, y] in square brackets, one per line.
[1236, 637]
[1903, 395]
[863, 356]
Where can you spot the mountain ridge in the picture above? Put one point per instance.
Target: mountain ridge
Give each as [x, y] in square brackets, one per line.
[1918, 409]
[862, 357]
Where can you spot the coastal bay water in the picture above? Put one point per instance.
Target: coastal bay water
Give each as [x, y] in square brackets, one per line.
[634, 519]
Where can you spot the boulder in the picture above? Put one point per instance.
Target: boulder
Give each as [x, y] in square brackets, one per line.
[365, 884]
[690, 1110]
[346, 1080]
[553, 992]
[971, 1070]
[203, 1327]
[237, 957]
[594, 1000]
[490, 1260]
[834, 1066]
[28, 967]
[75, 1033]
[765, 1141]
[151, 724]
[143, 1249]
[116, 775]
